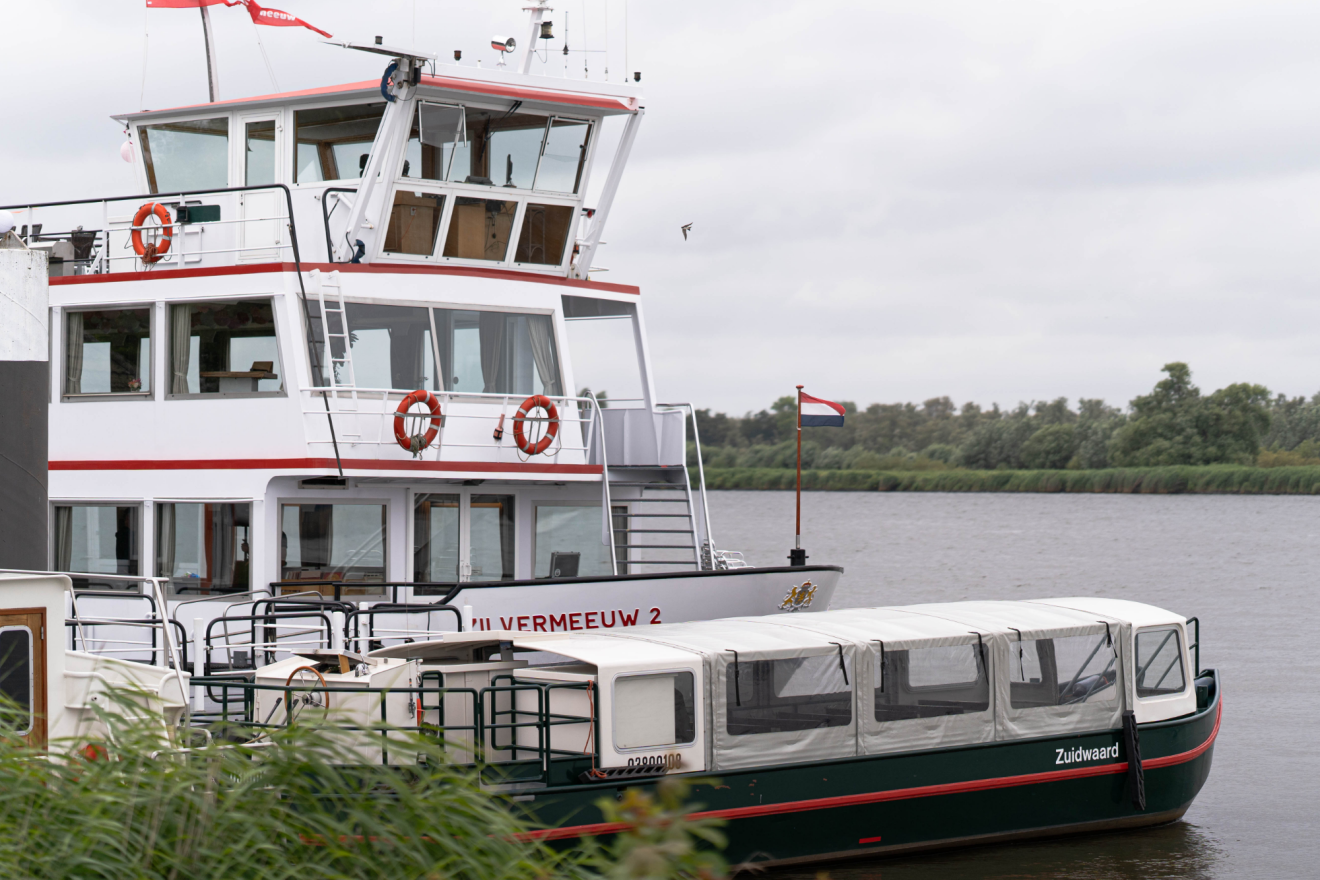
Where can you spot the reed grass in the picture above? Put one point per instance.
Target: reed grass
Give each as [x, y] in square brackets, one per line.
[1207, 480]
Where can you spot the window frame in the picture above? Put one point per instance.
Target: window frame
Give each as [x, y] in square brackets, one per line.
[732, 669]
[32, 683]
[140, 543]
[141, 158]
[292, 123]
[276, 304]
[253, 530]
[375, 589]
[536, 504]
[642, 673]
[153, 336]
[1181, 634]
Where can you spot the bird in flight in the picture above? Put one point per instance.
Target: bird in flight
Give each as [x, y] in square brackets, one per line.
[685, 231]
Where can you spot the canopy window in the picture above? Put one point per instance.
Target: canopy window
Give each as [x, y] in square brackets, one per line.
[497, 352]
[186, 156]
[97, 539]
[107, 352]
[1062, 671]
[343, 541]
[204, 549]
[1159, 662]
[224, 348]
[930, 682]
[333, 143]
[544, 234]
[392, 347]
[479, 229]
[775, 696]
[414, 226]
[435, 538]
[654, 710]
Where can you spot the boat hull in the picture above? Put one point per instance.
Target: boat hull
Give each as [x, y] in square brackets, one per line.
[884, 804]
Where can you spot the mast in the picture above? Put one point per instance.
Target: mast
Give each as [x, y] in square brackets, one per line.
[212, 70]
[798, 556]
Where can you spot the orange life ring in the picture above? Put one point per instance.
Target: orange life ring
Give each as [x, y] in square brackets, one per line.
[152, 252]
[520, 437]
[417, 442]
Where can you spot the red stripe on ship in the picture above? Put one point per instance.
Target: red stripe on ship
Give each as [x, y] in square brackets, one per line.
[362, 464]
[897, 794]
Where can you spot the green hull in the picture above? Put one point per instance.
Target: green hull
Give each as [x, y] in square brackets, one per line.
[925, 800]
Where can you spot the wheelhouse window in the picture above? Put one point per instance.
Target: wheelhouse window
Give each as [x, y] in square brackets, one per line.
[544, 235]
[97, 539]
[930, 682]
[339, 542]
[564, 156]
[479, 229]
[333, 143]
[775, 696]
[186, 156]
[414, 226]
[654, 710]
[204, 548]
[224, 348]
[1062, 671]
[568, 541]
[438, 132]
[107, 351]
[1159, 662]
[259, 153]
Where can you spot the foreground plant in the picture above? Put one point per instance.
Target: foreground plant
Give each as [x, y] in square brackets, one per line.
[660, 840]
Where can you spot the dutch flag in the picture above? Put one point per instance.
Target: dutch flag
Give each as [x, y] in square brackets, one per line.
[817, 413]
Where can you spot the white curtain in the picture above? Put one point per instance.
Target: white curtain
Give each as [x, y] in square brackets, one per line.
[73, 353]
[180, 342]
[63, 538]
[543, 352]
[491, 330]
[165, 540]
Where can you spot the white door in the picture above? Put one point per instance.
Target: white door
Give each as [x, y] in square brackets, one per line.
[262, 229]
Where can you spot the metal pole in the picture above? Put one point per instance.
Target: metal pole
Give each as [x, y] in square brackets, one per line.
[212, 69]
[798, 556]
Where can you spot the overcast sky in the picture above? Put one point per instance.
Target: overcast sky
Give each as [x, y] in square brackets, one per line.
[890, 201]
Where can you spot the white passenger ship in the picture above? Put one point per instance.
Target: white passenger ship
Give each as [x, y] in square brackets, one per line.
[232, 351]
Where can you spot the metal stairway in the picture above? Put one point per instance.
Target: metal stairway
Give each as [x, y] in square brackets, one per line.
[659, 527]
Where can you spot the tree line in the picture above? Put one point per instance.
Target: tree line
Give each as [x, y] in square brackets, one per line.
[1175, 424]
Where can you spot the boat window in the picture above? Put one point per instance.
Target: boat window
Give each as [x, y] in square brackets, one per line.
[569, 536]
[930, 682]
[17, 666]
[96, 539]
[654, 710]
[435, 538]
[544, 234]
[259, 153]
[490, 529]
[343, 541]
[773, 696]
[502, 149]
[204, 548]
[479, 229]
[603, 343]
[186, 156]
[107, 352]
[333, 143]
[437, 132]
[391, 347]
[1159, 662]
[224, 348]
[496, 352]
[1061, 671]
[564, 156]
[414, 226]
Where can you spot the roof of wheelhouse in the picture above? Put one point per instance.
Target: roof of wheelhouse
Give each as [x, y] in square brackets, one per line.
[450, 83]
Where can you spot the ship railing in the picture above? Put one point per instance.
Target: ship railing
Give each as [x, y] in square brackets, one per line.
[508, 727]
[98, 233]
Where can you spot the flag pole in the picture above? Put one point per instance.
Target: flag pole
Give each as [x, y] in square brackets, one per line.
[212, 69]
[798, 556]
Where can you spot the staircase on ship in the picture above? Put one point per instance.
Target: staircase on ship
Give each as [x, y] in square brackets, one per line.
[654, 519]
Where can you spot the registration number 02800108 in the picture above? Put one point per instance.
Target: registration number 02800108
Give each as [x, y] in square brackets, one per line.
[670, 761]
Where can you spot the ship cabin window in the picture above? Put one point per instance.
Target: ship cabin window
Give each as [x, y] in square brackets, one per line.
[17, 668]
[392, 347]
[333, 143]
[774, 696]
[567, 541]
[203, 548]
[259, 153]
[107, 351]
[480, 229]
[186, 156]
[414, 226]
[435, 537]
[436, 557]
[930, 682]
[1062, 671]
[97, 539]
[654, 710]
[544, 235]
[224, 348]
[1159, 662]
[340, 542]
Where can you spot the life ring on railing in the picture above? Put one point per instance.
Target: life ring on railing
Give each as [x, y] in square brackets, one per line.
[151, 252]
[417, 442]
[552, 416]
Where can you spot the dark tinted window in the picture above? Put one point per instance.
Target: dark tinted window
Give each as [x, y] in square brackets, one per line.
[16, 678]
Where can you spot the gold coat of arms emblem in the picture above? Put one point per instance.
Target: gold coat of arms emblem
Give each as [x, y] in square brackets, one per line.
[798, 597]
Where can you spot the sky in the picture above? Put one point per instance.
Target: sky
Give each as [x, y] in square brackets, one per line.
[889, 201]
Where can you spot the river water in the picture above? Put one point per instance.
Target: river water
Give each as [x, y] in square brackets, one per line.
[1246, 565]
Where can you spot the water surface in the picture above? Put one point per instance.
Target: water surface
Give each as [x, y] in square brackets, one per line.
[1244, 564]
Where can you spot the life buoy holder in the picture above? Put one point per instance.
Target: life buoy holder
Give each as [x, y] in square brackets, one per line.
[151, 252]
[552, 417]
[415, 443]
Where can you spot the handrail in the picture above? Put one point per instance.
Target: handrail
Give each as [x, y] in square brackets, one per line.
[351, 620]
[325, 217]
[701, 474]
[1196, 646]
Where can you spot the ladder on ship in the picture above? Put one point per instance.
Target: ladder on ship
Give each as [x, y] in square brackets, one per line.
[654, 519]
[334, 327]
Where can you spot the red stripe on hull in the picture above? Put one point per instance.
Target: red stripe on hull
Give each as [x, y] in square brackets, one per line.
[361, 464]
[899, 794]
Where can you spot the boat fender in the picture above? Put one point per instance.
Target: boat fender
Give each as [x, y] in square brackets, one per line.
[385, 82]
[417, 442]
[152, 252]
[552, 416]
[1136, 776]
